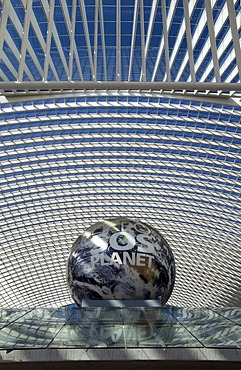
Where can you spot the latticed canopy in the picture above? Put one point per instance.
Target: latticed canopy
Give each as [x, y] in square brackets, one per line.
[115, 108]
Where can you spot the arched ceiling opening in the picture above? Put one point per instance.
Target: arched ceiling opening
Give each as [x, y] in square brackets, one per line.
[120, 108]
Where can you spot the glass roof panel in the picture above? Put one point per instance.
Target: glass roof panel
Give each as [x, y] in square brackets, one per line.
[73, 153]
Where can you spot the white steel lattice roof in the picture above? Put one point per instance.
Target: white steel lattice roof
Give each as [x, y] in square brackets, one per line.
[120, 108]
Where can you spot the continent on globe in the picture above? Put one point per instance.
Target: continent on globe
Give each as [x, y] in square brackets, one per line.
[121, 259]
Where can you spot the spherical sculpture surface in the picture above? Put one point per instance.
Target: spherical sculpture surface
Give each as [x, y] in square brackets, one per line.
[121, 259]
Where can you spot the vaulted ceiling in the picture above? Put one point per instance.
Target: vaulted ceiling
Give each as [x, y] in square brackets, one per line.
[120, 108]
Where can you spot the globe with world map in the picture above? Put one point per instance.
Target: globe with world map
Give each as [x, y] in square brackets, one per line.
[121, 259]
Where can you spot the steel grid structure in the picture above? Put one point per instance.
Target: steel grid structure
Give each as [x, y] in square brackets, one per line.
[120, 108]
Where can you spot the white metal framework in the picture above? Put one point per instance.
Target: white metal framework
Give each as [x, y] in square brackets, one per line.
[120, 108]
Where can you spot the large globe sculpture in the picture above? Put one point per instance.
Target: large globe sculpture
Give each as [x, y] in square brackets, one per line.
[121, 259]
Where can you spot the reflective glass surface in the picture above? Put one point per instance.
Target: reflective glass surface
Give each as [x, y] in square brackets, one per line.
[106, 327]
[9, 315]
